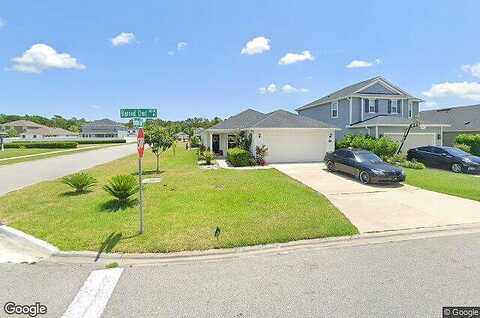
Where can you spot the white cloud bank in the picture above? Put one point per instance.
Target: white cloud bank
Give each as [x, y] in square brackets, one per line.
[257, 45]
[363, 64]
[41, 57]
[472, 69]
[123, 39]
[181, 46]
[291, 58]
[287, 88]
[466, 90]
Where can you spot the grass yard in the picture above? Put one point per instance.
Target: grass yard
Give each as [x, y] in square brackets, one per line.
[460, 185]
[181, 213]
[13, 152]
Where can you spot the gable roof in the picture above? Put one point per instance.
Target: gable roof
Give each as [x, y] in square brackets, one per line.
[104, 122]
[47, 131]
[250, 118]
[23, 123]
[390, 120]
[463, 118]
[354, 89]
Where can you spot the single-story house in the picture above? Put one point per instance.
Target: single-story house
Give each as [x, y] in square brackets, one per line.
[47, 132]
[181, 136]
[462, 120]
[289, 137]
[104, 128]
[377, 108]
[21, 126]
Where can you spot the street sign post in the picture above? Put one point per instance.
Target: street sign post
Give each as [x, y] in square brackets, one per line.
[138, 113]
[141, 151]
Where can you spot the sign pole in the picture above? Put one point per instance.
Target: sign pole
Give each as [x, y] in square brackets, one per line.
[141, 150]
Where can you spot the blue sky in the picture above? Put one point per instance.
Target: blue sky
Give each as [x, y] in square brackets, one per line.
[58, 57]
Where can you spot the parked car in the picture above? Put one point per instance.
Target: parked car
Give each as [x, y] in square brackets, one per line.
[364, 165]
[446, 158]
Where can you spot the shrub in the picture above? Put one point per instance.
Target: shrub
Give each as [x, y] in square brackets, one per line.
[81, 182]
[244, 140]
[239, 157]
[195, 142]
[260, 153]
[471, 140]
[122, 187]
[208, 156]
[411, 164]
[396, 158]
[383, 147]
[112, 141]
[43, 144]
[463, 147]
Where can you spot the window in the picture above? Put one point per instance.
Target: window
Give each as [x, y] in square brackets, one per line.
[410, 110]
[334, 109]
[372, 107]
[232, 141]
[399, 106]
[393, 106]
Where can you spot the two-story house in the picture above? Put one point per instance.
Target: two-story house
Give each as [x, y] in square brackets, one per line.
[377, 108]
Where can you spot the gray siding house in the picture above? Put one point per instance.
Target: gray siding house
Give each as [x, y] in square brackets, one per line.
[462, 120]
[377, 108]
[104, 128]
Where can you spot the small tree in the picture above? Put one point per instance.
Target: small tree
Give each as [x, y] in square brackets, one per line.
[243, 140]
[12, 133]
[159, 139]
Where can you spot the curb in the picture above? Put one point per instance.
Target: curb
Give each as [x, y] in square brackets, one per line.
[77, 257]
[27, 239]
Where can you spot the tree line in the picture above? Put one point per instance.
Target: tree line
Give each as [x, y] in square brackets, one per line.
[73, 124]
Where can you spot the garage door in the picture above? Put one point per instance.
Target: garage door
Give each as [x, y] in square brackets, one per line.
[414, 139]
[293, 146]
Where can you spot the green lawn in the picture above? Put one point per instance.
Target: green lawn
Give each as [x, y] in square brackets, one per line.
[12, 152]
[461, 185]
[181, 213]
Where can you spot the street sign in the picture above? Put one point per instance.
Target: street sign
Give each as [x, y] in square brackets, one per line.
[140, 142]
[152, 180]
[138, 113]
[138, 122]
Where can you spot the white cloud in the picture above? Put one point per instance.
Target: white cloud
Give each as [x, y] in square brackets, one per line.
[2, 23]
[291, 58]
[473, 69]
[429, 105]
[270, 89]
[466, 90]
[123, 39]
[363, 64]
[287, 88]
[41, 57]
[257, 45]
[181, 45]
[171, 53]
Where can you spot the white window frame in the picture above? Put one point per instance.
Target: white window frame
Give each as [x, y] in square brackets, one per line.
[334, 107]
[393, 107]
[371, 105]
[410, 109]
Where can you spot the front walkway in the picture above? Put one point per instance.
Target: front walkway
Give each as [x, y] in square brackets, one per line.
[374, 208]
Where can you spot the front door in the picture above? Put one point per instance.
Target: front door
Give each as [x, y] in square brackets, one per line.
[215, 143]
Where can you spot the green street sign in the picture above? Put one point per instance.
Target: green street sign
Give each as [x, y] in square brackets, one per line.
[138, 122]
[138, 113]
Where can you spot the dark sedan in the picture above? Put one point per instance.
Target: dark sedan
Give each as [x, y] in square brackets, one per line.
[446, 158]
[364, 165]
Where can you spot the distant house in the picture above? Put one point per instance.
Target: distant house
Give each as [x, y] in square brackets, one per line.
[462, 120]
[47, 132]
[104, 128]
[21, 126]
[198, 132]
[181, 136]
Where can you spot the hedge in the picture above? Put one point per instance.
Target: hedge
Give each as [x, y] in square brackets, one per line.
[471, 140]
[47, 145]
[239, 157]
[112, 141]
[383, 147]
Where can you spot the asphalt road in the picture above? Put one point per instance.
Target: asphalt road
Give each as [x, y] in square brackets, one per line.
[395, 279]
[16, 176]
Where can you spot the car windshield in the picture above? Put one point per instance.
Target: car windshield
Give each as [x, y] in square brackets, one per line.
[367, 157]
[456, 152]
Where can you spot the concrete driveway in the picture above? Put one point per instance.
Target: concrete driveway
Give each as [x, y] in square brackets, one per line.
[373, 208]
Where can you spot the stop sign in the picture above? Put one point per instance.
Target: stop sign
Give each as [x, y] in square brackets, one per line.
[140, 142]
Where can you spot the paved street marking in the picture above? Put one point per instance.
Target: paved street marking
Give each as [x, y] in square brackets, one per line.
[92, 298]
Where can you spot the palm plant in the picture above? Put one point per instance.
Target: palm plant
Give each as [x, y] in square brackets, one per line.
[122, 187]
[81, 182]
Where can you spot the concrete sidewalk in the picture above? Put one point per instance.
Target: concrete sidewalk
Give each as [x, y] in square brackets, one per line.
[374, 208]
[16, 176]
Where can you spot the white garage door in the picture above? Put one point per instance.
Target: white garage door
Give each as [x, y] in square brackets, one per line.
[414, 140]
[296, 146]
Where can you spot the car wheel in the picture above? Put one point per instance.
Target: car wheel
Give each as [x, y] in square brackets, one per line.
[331, 166]
[364, 177]
[457, 168]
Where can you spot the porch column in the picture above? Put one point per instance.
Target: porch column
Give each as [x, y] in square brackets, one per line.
[210, 141]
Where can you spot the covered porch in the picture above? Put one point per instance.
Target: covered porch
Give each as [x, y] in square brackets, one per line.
[220, 140]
